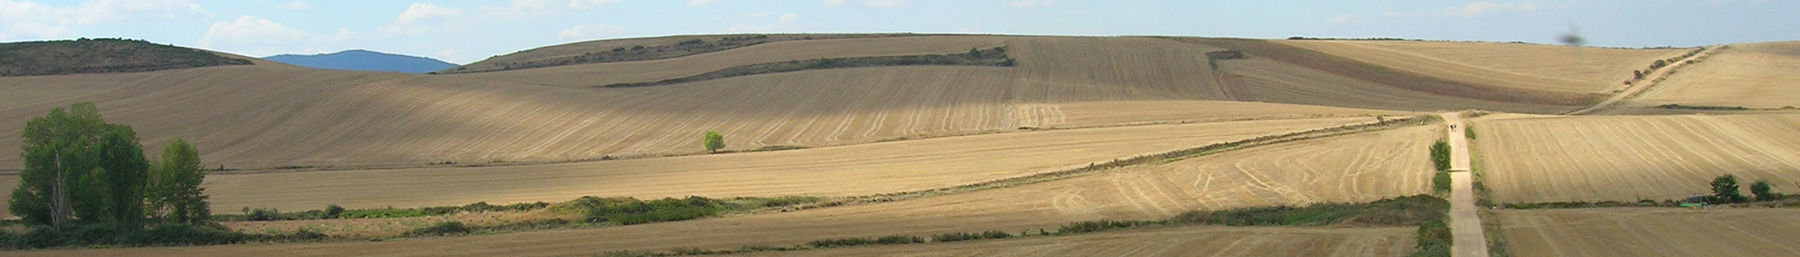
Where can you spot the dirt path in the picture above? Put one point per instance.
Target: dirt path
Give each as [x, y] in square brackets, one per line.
[1465, 225]
[1642, 85]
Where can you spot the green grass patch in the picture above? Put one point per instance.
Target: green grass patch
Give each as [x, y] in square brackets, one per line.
[1434, 239]
[335, 212]
[630, 211]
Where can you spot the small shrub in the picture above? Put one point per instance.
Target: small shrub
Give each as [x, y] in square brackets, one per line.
[260, 214]
[1440, 155]
[1441, 182]
[332, 211]
[1433, 239]
[441, 229]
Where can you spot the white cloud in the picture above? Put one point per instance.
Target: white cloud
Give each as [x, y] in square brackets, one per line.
[834, 2]
[109, 11]
[1030, 3]
[585, 4]
[1479, 8]
[785, 18]
[34, 20]
[701, 2]
[1340, 19]
[296, 5]
[590, 31]
[418, 12]
[249, 30]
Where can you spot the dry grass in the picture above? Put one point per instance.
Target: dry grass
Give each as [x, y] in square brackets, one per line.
[1627, 158]
[1757, 75]
[1652, 232]
[589, 75]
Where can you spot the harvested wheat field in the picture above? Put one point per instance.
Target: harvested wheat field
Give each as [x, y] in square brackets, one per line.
[597, 74]
[1515, 65]
[1196, 241]
[1758, 75]
[287, 116]
[853, 170]
[1628, 158]
[1652, 232]
[1354, 168]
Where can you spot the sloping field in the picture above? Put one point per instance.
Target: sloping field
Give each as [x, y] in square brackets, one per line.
[1522, 66]
[1652, 232]
[1349, 168]
[284, 116]
[1194, 241]
[834, 171]
[591, 75]
[1272, 81]
[1627, 158]
[1759, 75]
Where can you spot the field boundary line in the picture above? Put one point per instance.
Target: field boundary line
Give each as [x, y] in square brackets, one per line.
[1654, 79]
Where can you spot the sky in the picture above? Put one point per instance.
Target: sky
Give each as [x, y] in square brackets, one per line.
[468, 31]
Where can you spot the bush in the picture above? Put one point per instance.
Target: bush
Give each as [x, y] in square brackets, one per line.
[855, 241]
[1440, 155]
[260, 214]
[1408, 210]
[1763, 191]
[1100, 225]
[441, 229]
[960, 236]
[1434, 239]
[332, 211]
[1441, 182]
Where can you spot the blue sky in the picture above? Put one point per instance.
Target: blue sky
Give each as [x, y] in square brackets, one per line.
[468, 31]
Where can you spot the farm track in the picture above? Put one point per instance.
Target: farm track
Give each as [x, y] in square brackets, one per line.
[1465, 224]
[1628, 158]
[1646, 84]
[1652, 232]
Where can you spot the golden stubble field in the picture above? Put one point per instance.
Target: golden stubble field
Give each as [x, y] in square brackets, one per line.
[1758, 75]
[269, 115]
[1628, 158]
[1526, 66]
[1349, 168]
[853, 170]
[1652, 232]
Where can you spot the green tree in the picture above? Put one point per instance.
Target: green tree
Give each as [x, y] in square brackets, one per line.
[174, 193]
[1725, 190]
[58, 150]
[80, 169]
[121, 178]
[1763, 191]
[714, 141]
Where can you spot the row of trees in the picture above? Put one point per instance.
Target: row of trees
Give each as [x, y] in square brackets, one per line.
[82, 171]
[1725, 190]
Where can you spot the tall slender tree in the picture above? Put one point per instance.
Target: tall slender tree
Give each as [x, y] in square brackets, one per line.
[174, 192]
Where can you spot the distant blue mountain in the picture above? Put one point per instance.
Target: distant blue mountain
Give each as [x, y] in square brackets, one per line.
[365, 60]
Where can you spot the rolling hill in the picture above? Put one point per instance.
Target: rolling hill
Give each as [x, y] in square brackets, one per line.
[364, 60]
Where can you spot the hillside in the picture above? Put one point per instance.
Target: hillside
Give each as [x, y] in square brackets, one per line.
[364, 60]
[104, 55]
[1628, 158]
[1758, 75]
